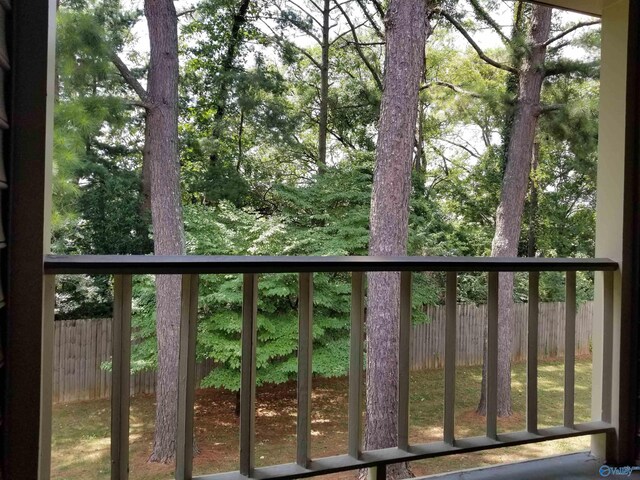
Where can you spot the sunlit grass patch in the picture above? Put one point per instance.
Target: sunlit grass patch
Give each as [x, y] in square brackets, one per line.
[81, 444]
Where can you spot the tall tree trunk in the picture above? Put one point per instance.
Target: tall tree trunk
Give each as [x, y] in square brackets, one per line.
[324, 88]
[239, 19]
[406, 29]
[420, 160]
[512, 197]
[533, 204]
[146, 174]
[240, 140]
[161, 148]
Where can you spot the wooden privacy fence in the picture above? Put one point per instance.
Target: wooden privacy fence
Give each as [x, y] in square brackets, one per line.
[427, 340]
[82, 346]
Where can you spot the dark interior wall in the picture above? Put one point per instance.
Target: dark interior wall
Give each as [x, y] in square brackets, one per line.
[4, 155]
[25, 98]
[629, 398]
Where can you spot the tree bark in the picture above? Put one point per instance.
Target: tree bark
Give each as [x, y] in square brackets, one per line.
[533, 203]
[512, 197]
[146, 173]
[420, 163]
[161, 149]
[406, 32]
[324, 88]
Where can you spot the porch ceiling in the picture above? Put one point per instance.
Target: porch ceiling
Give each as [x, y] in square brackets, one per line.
[589, 7]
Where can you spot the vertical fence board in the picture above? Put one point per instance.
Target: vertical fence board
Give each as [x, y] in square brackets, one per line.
[69, 380]
[56, 360]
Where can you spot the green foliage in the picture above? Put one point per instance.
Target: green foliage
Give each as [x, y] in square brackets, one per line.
[109, 214]
[248, 142]
[108, 220]
[97, 188]
[83, 296]
[313, 219]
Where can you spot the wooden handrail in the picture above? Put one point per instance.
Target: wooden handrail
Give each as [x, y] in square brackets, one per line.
[190, 264]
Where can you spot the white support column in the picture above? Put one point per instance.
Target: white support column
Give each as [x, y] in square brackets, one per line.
[610, 197]
[48, 301]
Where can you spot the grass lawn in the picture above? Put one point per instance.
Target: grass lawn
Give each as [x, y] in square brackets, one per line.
[81, 429]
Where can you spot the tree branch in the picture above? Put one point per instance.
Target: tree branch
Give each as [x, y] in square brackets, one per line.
[282, 41]
[586, 69]
[444, 158]
[554, 107]
[436, 180]
[317, 7]
[295, 24]
[345, 33]
[364, 58]
[379, 8]
[473, 44]
[451, 86]
[185, 12]
[372, 21]
[345, 142]
[366, 44]
[331, 9]
[346, 107]
[569, 30]
[138, 103]
[482, 13]
[463, 147]
[130, 80]
[557, 47]
[313, 19]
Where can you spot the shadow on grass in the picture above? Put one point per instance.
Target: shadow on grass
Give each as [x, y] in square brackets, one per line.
[81, 444]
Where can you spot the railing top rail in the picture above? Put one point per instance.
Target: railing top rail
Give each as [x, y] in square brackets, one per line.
[191, 264]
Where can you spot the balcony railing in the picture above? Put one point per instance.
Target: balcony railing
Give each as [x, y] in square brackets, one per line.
[190, 267]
